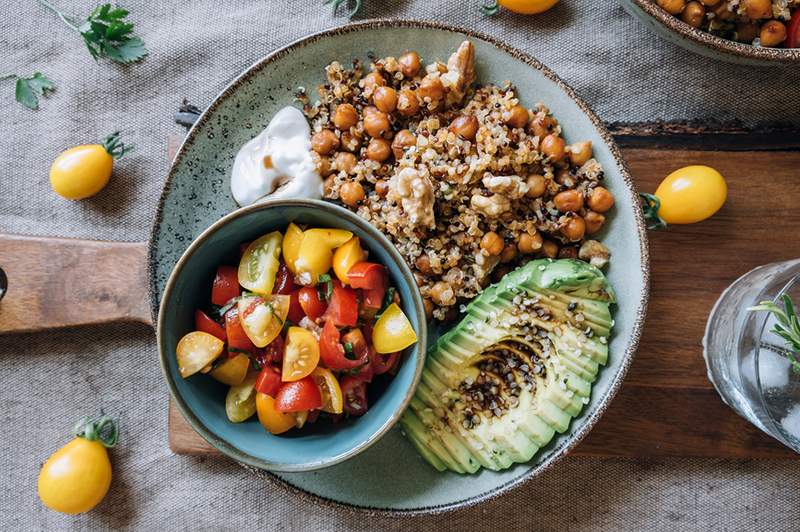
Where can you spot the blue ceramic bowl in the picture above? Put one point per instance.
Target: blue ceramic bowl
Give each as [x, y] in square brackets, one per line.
[202, 399]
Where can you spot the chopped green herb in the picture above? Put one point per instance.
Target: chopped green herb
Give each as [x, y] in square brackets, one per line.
[256, 365]
[387, 300]
[348, 347]
[221, 311]
[325, 287]
[28, 90]
[787, 326]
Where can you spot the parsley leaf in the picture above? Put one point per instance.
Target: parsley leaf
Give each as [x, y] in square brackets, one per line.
[27, 90]
[106, 33]
[325, 287]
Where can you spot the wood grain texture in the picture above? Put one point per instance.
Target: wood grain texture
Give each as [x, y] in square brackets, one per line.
[667, 407]
[59, 282]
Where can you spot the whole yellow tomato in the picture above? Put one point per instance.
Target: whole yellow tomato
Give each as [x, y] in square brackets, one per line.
[83, 171]
[77, 476]
[523, 7]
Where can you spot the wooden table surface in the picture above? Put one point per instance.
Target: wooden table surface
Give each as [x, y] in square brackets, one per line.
[667, 406]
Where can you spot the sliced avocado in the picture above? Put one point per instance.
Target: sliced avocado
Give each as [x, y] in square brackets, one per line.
[516, 369]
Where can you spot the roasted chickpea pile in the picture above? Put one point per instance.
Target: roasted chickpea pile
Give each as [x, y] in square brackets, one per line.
[758, 22]
[466, 181]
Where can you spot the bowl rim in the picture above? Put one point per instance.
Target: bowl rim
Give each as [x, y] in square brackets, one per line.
[417, 351]
[719, 44]
[641, 234]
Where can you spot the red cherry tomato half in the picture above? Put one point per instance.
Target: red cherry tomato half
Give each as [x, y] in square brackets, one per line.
[793, 33]
[203, 322]
[343, 308]
[237, 338]
[354, 391]
[298, 396]
[226, 285]
[269, 381]
[380, 364]
[372, 278]
[284, 281]
[312, 305]
[331, 351]
[296, 312]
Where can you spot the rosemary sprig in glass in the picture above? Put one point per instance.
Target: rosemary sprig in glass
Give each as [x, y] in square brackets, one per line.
[787, 326]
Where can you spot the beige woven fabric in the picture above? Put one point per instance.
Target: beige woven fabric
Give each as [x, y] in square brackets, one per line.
[48, 380]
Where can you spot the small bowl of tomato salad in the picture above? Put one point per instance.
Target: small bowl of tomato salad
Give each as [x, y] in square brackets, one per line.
[292, 335]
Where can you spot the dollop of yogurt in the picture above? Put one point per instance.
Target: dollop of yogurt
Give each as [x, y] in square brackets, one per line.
[277, 163]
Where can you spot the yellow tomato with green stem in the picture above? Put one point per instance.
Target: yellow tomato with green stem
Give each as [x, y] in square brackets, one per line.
[686, 196]
[523, 7]
[77, 477]
[83, 171]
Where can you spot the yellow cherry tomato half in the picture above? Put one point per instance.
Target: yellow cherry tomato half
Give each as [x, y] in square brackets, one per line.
[291, 246]
[346, 256]
[260, 263]
[196, 351]
[83, 171]
[275, 422]
[240, 403]
[77, 476]
[329, 389]
[691, 194]
[528, 7]
[232, 371]
[262, 318]
[301, 354]
[392, 331]
[315, 255]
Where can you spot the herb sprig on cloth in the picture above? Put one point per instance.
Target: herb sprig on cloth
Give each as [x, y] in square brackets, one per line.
[29, 89]
[787, 326]
[106, 33]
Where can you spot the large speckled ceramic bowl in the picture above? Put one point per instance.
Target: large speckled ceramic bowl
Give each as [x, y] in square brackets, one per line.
[390, 476]
[201, 399]
[701, 42]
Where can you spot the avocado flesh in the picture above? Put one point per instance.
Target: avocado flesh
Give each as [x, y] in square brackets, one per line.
[519, 366]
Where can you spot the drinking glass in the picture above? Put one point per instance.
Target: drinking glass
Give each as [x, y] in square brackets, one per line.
[748, 364]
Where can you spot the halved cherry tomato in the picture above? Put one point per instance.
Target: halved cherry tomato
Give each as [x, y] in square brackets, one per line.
[331, 351]
[296, 311]
[233, 370]
[260, 262]
[343, 307]
[291, 245]
[346, 256]
[793, 33]
[263, 317]
[301, 355]
[275, 422]
[297, 396]
[312, 305]
[203, 322]
[237, 338]
[392, 332]
[379, 363]
[195, 351]
[268, 381]
[354, 390]
[315, 255]
[358, 344]
[284, 281]
[372, 278]
[226, 285]
[329, 389]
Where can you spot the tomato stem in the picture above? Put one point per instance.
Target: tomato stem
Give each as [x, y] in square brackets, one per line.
[115, 147]
[337, 3]
[490, 8]
[104, 429]
[650, 207]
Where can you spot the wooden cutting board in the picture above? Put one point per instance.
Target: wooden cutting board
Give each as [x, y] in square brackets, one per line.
[667, 407]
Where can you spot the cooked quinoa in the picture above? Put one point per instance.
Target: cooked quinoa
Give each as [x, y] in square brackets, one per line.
[465, 181]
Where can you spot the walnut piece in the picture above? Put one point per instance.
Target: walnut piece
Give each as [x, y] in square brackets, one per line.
[511, 186]
[594, 252]
[490, 206]
[414, 192]
[460, 72]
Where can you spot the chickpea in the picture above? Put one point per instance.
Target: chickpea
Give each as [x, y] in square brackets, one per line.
[345, 161]
[465, 127]
[385, 99]
[568, 252]
[569, 201]
[381, 188]
[379, 150]
[580, 152]
[404, 139]
[492, 243]
[324, 142]
[345, 116]
[673, 7]
[423, 264]
[517, 117]
[549, 249]
[757, 9]
[773, 33]
[537, 186]
[574, 229]
[351, 193]
[542, 126]
[323, 166]
[442, 293]
[407, 103]
[747, 31]
[409, 64]
[594, 221]
[327, 186]
[710, 3]
[529, 243]
[600, 199]
[553, 147]
[376, 123]
[431, 88]
[372, 81]
[693, 14]
[428, 304]
[509, 253]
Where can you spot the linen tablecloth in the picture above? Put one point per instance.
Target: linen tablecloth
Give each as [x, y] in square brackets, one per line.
[196, 47]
